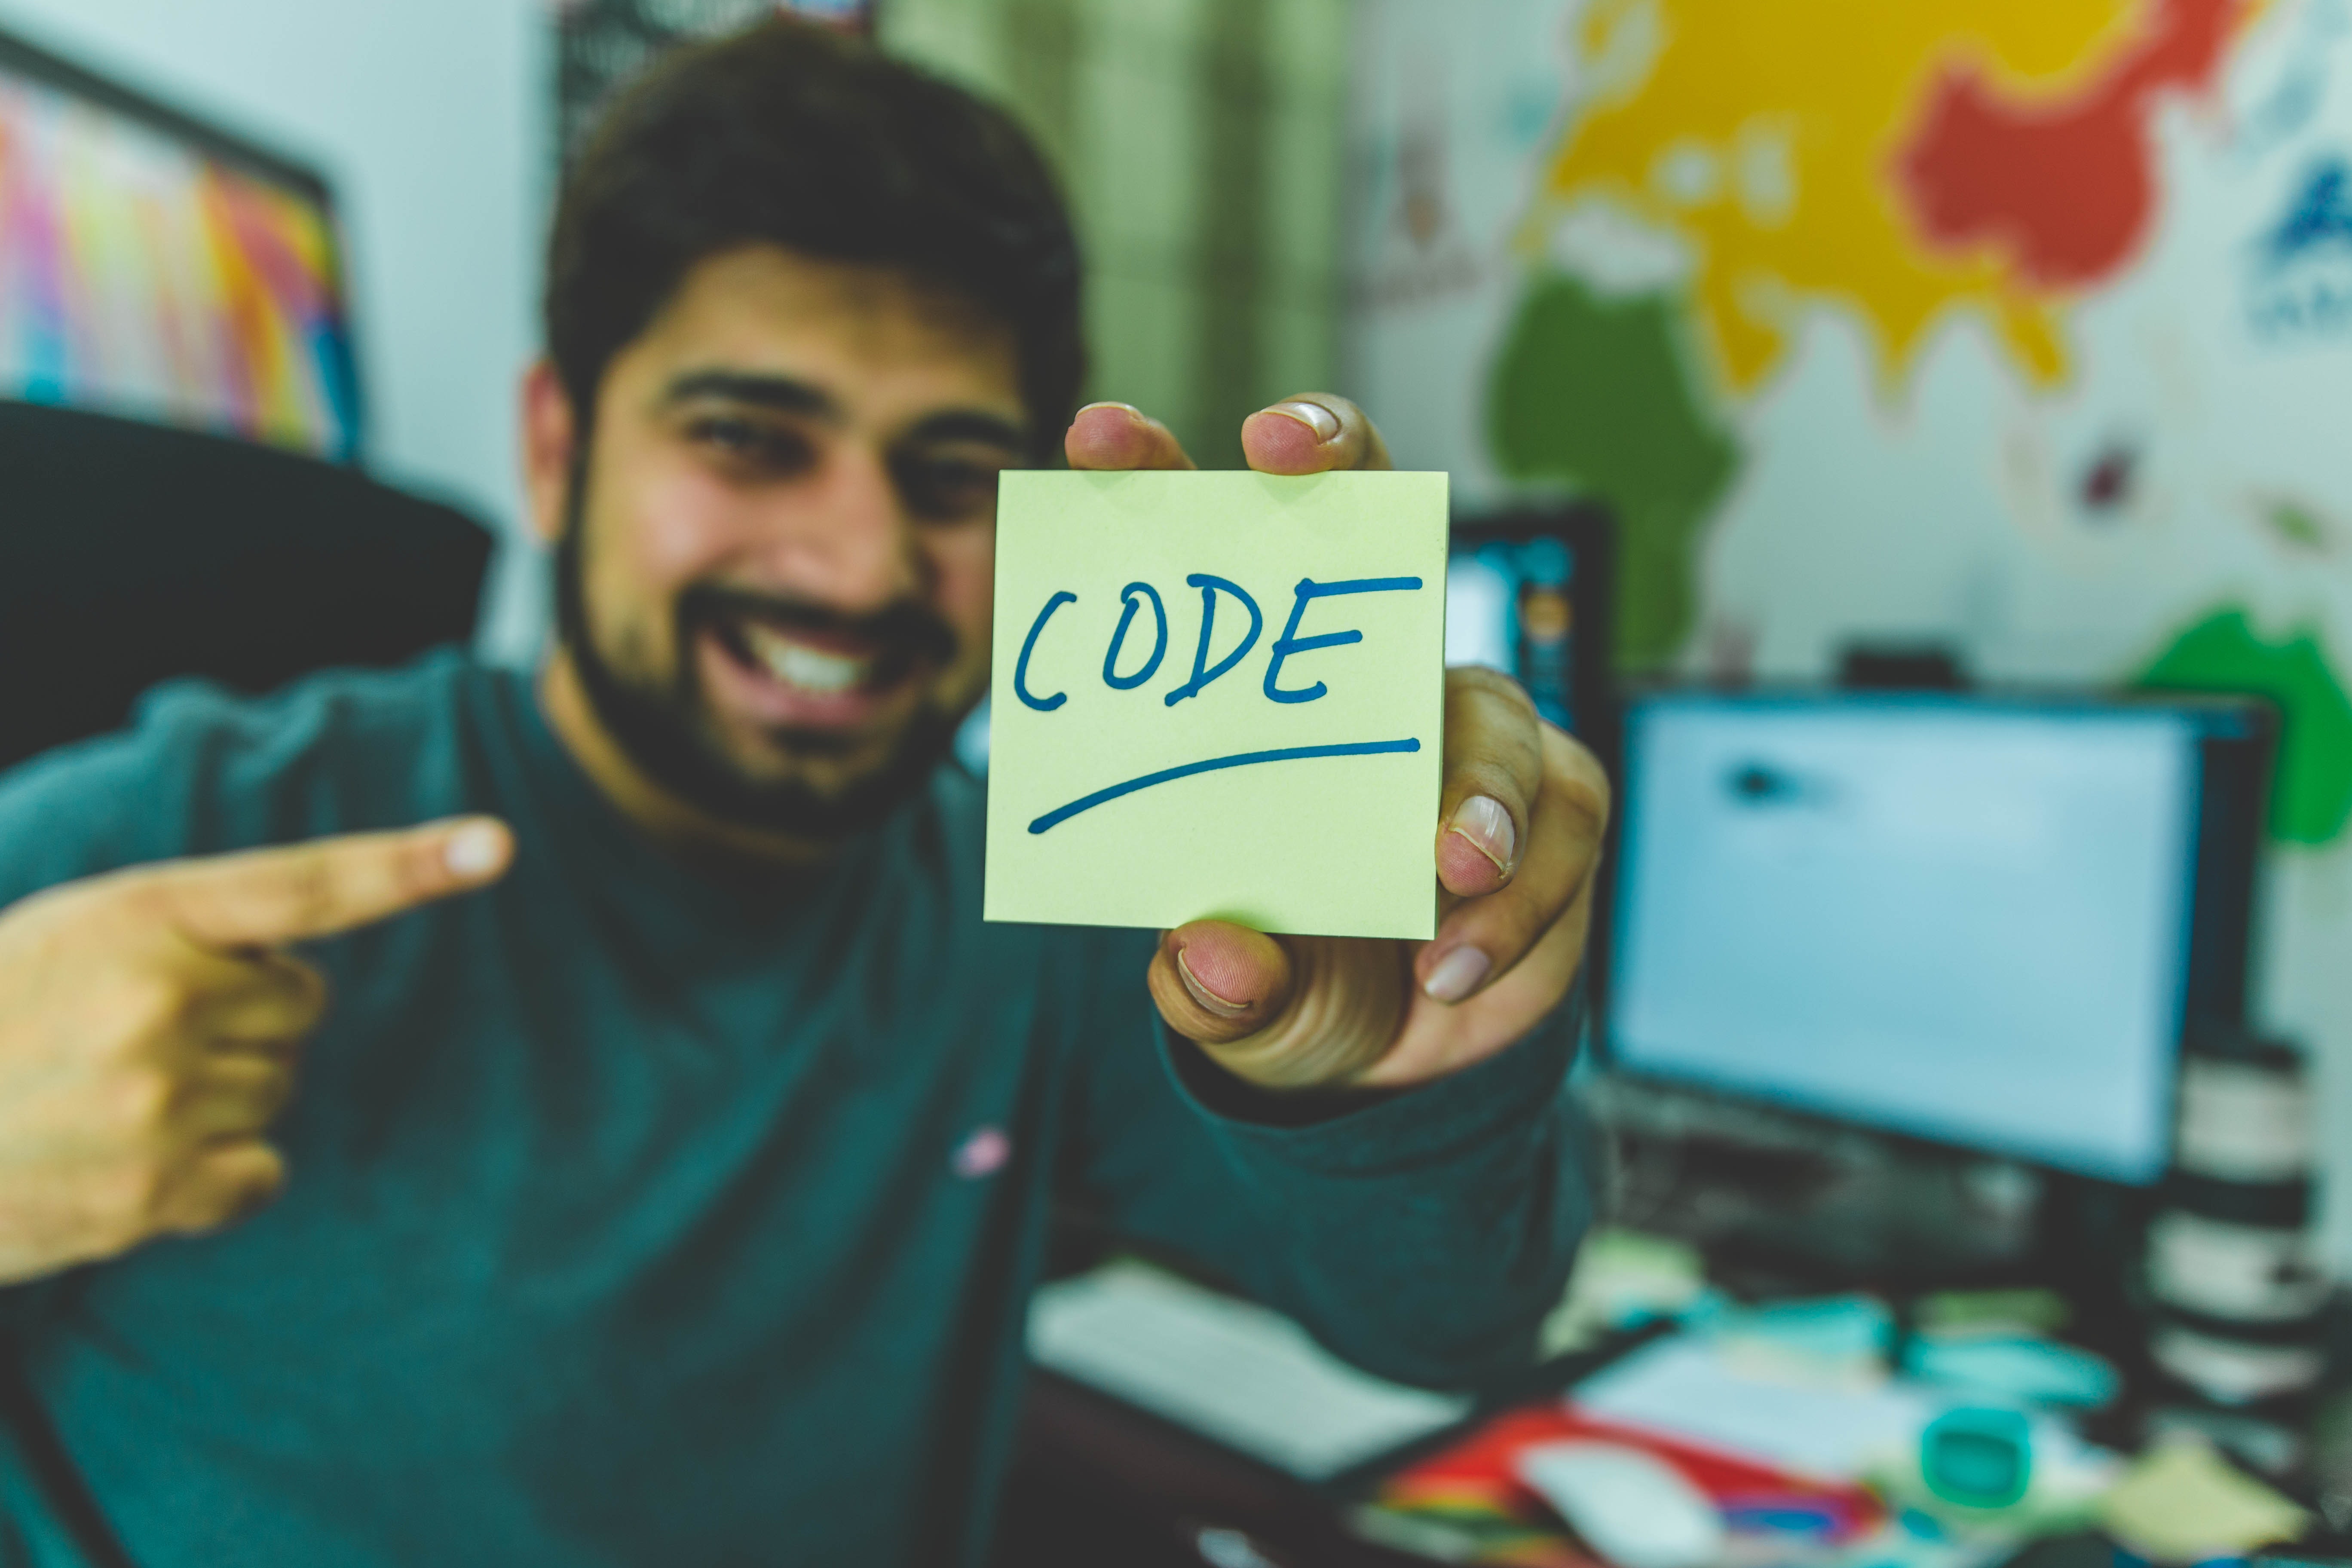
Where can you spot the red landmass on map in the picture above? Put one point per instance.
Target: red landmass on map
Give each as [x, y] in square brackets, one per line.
[2065, 188]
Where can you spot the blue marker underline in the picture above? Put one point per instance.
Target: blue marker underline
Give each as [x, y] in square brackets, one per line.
[1242, 759]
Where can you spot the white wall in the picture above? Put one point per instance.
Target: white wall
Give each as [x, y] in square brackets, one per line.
[432, 119]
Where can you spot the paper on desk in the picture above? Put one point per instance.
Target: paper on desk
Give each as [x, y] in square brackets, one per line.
[1241, 1374]
[1218, 694]
[1829, 1420]
[1687, 1386]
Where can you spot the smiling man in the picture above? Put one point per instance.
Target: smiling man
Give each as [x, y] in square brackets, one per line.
[672, 1146]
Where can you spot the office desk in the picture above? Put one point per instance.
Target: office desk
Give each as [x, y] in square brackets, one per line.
[1097, 1482]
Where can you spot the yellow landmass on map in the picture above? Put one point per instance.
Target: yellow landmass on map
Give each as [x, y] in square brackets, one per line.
[1763, 136]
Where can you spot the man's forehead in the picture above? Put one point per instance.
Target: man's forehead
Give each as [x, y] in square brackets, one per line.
[860, 333]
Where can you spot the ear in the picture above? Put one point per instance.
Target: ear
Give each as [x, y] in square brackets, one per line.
[549, 438]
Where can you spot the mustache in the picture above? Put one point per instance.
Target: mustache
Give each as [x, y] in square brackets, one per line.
[904, 635]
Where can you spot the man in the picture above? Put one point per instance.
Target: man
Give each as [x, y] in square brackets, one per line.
[670, 1165]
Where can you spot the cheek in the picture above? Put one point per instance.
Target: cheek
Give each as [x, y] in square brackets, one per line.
[673, 525]
[651, 531]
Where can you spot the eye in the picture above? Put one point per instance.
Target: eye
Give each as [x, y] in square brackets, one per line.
[946, 489]
[758, 445]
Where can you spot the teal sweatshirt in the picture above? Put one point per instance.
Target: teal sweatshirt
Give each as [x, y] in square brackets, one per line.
[642, 1217]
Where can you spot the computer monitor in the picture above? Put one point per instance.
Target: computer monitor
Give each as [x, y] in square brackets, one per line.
[1532, 594]
[156, 267]
[1983, 922]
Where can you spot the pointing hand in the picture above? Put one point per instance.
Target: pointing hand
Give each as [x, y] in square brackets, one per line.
[150, 1021]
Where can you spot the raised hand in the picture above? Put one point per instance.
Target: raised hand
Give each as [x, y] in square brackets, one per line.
[1519, 835]
[150, 1024]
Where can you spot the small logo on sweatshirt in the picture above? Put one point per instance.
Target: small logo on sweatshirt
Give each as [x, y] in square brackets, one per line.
[983, 1154]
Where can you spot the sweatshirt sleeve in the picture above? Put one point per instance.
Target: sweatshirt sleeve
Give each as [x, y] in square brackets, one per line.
[1423, 1234]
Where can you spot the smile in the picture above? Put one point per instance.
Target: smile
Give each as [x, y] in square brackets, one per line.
[818, 671]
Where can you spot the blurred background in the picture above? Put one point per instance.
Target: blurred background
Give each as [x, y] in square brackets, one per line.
[1945, 351]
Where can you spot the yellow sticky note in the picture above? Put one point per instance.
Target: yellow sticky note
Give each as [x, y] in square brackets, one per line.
[1218, 696]
[2182, 1502]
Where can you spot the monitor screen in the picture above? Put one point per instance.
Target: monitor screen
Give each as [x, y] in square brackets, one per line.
[1531, 593]
[1965, 919]
[1511, 604]
[152, 267]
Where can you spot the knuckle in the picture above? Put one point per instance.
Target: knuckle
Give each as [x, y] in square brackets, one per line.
[119, 909]
[130, 1200]
[1486, 776]
[1587, 799]
[305, 993]
[149, 1004]
[1577, 775]
[141, 1105]
[310, 891]
[137, 895]
[271, 1088]
[258, 1177]
[411, 866]
[1480, 681]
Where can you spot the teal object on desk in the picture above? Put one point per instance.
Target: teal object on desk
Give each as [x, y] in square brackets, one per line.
[2016, 1366]
[1977, 1458]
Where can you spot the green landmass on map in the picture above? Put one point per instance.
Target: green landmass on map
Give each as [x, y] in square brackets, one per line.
[2311, 797]
[1592, 393]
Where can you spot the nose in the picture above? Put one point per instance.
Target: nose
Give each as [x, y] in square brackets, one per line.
[851, 544]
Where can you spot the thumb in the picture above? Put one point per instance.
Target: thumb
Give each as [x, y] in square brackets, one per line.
[1217, 983]
[264, 897]
[1304, 1012]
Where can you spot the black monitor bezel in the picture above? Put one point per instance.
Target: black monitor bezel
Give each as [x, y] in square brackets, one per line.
[2222, 893]
[22, 57]
[1589, 529]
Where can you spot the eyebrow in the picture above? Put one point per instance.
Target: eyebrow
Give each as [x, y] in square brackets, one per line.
[781, 393]
[784, 394]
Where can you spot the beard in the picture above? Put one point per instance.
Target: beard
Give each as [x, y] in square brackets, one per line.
[670, 733]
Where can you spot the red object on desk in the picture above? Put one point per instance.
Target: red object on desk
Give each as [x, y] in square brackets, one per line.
[1481, 1471]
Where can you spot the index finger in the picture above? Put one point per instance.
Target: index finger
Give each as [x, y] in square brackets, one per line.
[1493, 768]
[263, 897]
[1313, 433]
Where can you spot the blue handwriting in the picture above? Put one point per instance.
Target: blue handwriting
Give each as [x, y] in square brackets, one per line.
[1286, 647]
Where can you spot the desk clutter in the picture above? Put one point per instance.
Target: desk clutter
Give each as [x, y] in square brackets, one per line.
[1813, 1445]
[1957, 1430]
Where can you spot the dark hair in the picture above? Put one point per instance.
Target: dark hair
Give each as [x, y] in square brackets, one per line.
[790, 134]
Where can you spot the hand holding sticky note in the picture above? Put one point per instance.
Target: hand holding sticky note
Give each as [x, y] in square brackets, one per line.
[1218, 696]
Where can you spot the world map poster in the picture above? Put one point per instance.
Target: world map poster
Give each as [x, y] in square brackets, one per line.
[2021, 327]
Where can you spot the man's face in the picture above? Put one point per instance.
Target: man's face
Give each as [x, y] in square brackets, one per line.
[775, 570]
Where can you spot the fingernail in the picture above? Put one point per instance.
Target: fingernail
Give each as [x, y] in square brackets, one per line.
[1458, 975]
[473, 850]
[1130, 409]
[1483, 821]
[1206, 997]
[1314, 416]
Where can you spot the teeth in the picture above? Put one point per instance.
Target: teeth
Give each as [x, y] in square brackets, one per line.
[810, 669]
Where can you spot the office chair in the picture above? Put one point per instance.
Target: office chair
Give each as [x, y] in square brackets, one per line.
[130, 553]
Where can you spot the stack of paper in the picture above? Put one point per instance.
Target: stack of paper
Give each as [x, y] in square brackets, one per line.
[1239, 1374]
